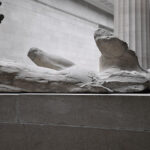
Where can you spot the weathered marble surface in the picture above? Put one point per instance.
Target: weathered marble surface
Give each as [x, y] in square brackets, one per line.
[43, 59]
[115, 53]
[119, 72]
[18, 78]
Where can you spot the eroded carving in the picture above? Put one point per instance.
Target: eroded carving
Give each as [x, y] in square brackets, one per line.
[119, 72]
[115, 53]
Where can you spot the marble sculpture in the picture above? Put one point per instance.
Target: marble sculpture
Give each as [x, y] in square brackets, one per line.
[120, 71]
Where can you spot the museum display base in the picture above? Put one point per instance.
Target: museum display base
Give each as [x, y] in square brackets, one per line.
[74, 121]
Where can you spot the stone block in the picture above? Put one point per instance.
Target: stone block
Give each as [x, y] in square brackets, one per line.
[8, 108]
[45, 137]
[129, 112]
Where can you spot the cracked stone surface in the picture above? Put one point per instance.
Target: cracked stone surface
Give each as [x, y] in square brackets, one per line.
[18, 78]
[120, 72]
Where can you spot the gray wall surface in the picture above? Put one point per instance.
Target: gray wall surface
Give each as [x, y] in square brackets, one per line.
[74, 122]
[61, 27]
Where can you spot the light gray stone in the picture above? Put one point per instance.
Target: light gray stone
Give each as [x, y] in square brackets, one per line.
[43, 59]
[119, 71]
[115, 53]
[71, 80]
[7, 88]
[36, 79]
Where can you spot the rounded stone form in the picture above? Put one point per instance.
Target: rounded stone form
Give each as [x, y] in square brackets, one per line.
[111, 47]
[43, 59]
[115, 53]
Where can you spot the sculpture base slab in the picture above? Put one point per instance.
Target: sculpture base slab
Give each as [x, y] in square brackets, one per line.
[74, 121]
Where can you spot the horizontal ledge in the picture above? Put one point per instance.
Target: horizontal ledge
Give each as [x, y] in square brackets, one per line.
[69, 94]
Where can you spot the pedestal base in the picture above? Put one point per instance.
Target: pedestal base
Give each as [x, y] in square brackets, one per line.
[74, 122]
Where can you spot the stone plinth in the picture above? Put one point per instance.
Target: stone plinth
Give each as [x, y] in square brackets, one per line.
[76, 122]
